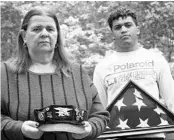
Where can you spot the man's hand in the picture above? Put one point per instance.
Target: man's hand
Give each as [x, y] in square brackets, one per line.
[88, 129]
[30, 130]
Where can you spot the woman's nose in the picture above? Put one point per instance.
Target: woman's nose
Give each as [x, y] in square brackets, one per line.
[44, 33]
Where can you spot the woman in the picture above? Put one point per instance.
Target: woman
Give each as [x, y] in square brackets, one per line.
[39, 75]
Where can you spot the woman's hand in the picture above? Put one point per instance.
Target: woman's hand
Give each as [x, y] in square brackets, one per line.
[30, 130]
[88, 129]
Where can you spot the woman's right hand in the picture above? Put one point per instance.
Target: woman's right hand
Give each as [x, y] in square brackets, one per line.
[30, 130]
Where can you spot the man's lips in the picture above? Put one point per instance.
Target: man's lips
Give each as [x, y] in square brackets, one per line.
[125, 36]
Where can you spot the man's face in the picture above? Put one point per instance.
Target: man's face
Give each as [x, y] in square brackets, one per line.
[125, 33]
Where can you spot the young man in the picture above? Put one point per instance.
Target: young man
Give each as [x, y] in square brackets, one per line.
[131, 61]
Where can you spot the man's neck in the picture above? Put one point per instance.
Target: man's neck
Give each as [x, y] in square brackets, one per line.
[127, 48]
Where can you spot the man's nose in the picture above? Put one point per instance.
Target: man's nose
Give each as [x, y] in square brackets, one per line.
[123, 29]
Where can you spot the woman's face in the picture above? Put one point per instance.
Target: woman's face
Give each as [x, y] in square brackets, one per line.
[41, 35]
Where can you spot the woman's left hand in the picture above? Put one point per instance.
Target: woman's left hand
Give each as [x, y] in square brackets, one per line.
[88, 129]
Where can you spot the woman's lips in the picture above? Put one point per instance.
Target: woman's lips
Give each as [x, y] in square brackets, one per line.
[43, 42]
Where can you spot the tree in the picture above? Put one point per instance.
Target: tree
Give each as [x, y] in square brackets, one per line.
[10, 24]
[85, 30]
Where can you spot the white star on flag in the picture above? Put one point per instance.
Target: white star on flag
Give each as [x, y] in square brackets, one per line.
[139, 103]
[143, 123]
[163, 122]
[138, 94]
[123, 124]
[120, 103]
[158, 110]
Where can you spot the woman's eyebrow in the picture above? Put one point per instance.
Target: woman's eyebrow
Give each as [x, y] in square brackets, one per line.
[37, 26]
[50, 26]
[41, 26]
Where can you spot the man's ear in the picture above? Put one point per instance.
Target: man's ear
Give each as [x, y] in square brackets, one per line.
[113, 36]
[23, 34]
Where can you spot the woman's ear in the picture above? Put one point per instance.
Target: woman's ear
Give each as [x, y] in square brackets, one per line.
[138, 30]
[23, 34]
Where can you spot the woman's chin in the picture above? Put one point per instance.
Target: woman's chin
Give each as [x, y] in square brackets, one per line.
[45, 49]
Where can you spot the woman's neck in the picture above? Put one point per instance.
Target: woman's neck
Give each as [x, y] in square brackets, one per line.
[38, 67]
[42, 57]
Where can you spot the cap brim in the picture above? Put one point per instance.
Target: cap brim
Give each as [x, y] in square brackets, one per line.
[62, 127]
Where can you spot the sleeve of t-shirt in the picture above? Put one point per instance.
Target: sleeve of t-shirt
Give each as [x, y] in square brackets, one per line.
[166, 83]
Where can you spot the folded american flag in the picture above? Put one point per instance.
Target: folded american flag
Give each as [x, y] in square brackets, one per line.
[135, 112]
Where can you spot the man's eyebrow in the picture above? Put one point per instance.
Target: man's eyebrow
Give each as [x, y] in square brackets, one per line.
[123, 23]
[128, 22]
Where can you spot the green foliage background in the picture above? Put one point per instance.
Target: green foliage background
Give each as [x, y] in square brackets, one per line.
[85, 30]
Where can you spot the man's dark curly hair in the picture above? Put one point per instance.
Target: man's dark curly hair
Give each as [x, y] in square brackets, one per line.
[121, 12]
